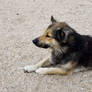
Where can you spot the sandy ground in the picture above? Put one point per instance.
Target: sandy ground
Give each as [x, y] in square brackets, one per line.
[23, 20]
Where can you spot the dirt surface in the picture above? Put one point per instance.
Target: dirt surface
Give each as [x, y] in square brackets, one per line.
[23, 20]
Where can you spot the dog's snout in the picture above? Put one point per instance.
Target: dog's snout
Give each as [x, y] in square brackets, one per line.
[38, 43]
[35, 41]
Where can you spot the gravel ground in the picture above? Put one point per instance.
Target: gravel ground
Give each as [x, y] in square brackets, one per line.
[23, 20]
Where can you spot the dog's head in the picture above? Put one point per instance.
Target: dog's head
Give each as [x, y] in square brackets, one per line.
[56, 35]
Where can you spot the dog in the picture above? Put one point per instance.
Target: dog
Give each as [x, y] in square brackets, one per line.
[70, 51]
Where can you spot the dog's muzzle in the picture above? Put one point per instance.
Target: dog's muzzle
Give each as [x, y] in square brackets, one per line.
[38, 44]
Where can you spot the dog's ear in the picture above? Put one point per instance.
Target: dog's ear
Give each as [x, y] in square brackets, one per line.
[59, 34]
[67, 30]
[63, 34]
[53, 20]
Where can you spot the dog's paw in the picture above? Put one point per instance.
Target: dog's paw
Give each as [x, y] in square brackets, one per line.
[41, 70]
[29, 68]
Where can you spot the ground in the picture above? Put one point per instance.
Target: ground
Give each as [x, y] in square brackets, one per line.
[23, 20]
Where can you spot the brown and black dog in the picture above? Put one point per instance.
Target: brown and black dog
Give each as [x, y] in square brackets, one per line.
[70, 51]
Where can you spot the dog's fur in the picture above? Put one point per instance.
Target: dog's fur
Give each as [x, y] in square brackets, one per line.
[69, 50]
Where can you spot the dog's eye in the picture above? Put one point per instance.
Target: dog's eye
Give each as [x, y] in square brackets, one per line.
[47, 36]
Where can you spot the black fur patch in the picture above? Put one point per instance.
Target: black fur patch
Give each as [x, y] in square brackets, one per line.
[79, 50]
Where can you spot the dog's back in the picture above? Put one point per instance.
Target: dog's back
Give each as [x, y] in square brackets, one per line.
[86, 52]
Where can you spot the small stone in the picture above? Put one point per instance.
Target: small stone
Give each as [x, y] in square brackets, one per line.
[82, 88]
[17, 14]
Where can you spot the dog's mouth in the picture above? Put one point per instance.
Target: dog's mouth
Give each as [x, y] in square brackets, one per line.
[41, 45]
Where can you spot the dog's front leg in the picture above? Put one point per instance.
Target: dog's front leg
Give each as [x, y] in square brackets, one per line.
[59, 69]
[31, 68]
[56, 71]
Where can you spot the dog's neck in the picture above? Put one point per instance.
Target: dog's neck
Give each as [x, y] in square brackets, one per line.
[56, 56]
[60, 50]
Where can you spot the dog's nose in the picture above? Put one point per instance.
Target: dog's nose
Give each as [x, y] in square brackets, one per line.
[35, 41]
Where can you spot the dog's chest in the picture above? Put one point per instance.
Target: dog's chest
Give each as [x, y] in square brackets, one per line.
[56, 57]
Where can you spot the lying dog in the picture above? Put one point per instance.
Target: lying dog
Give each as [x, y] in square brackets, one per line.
[70, 51]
